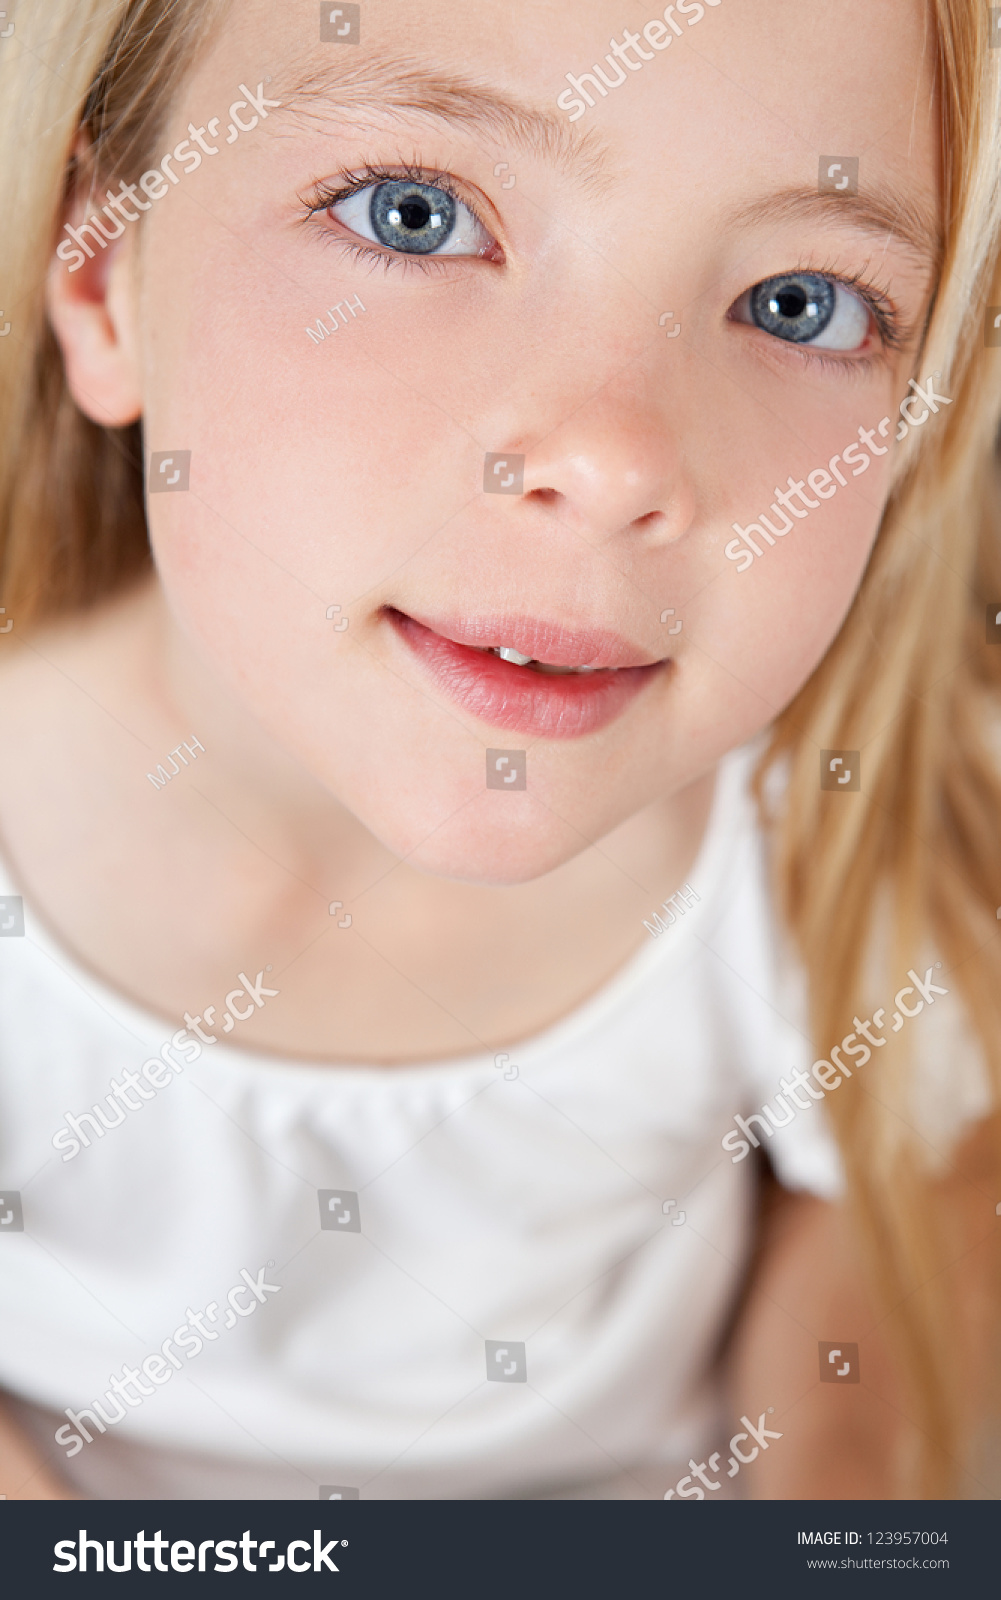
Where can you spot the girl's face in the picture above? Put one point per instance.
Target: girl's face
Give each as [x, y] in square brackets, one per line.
[554, 387]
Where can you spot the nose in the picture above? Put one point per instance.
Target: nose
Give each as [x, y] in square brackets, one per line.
[613, 469]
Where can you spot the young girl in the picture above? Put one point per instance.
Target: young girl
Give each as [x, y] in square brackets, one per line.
[455, 844]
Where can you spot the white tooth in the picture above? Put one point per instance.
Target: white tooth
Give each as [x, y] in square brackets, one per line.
[517, 659]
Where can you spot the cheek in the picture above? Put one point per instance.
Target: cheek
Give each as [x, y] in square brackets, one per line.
[248, 615]
[771, 615]
[315, 452]
[777, 618]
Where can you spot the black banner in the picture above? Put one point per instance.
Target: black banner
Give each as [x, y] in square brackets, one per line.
[478, 1550]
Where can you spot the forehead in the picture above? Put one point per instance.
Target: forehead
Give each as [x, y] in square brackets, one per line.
[749, 94]
[789, 57]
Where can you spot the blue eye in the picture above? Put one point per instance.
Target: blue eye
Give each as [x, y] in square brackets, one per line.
[413, 218]
[806, 308]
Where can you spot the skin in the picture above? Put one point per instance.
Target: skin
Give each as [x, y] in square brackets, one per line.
[197, 322]
[350, 473]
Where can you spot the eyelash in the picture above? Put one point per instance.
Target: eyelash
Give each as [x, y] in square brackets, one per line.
[323, 196]
[888, 320]
[894, 334]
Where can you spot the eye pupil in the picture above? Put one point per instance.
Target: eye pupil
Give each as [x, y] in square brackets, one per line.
[789, 303]
[415, 213]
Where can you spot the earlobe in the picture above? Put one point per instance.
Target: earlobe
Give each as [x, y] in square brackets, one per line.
[91, 306]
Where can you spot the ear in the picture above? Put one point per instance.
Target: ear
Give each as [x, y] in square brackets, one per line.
[92, 306]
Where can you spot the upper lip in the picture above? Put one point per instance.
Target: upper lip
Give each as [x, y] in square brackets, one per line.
[557, 643]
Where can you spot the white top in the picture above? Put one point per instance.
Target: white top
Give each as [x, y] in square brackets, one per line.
[526, 1210]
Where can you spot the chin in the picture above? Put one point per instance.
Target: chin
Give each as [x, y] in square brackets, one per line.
[487, 853]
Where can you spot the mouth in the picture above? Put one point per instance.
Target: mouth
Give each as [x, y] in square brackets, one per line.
[528, 676]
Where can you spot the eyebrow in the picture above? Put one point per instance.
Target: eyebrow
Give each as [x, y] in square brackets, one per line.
[875, 212]
[404, 83]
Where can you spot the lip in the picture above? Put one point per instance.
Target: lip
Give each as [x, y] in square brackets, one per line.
[455, 654]
[542, 641]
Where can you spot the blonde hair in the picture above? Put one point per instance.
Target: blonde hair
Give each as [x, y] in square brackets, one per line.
[910, 680]
[72, 522]
[912, 683]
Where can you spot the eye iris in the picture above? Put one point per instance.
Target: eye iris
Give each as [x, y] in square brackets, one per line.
[414, 217]
[797, 307]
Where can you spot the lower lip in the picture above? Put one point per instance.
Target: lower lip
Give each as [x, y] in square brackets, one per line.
[545, 705]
